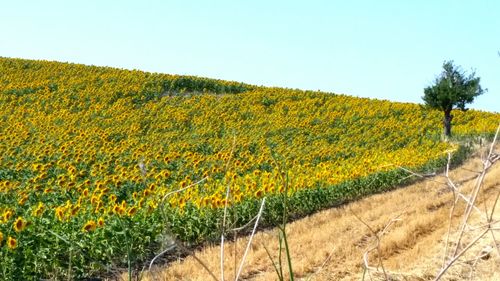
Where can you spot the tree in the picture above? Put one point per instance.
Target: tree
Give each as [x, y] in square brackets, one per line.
[452, 89]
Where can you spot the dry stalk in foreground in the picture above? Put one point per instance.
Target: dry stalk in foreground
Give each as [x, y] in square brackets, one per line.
[376, 246]
[487, 223]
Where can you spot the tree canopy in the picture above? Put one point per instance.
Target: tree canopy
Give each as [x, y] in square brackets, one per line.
[452, 89]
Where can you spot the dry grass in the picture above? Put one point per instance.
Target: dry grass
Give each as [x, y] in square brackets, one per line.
[329, 245]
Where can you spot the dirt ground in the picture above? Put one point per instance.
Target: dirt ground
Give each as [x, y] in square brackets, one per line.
[331, 244]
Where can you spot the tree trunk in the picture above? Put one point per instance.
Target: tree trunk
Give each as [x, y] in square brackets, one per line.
[447, 123]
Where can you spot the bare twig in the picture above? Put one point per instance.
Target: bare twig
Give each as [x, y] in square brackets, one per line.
[322, 265]
[222, 235]
[197, 260]
[487, 161]
[486, 165]
[457, 256]
[182, 189]
[418, 174]
[250, 239]
[246, 225]
[481, 255]
[228, 190]
[171, 247]
[491, 222]
[377, 244]
[452, 211]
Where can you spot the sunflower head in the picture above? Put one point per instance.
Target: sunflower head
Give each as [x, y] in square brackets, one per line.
[132, 211]
[11, 243]
[7, 215]
[100, 222]
[89, 226]
[19, 224]
[259, 193]
[39, 210]
[60, 213]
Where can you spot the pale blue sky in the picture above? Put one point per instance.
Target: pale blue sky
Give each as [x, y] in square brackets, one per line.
[381, 49]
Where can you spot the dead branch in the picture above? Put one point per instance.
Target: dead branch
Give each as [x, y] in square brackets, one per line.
[378, 237]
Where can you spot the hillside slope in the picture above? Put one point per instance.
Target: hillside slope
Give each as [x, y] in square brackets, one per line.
[330, 245]
[110, 159]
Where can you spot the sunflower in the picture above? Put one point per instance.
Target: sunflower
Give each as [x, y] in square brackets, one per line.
[85, 192]
[98, 206]
[89, 226]
[22, 200]
[237, 197]
[7, 215]
[19, 224]
[60, 213]
[100, 222]
[140, 203]
[259, 193]
[11, 243]
[135, 195]
[36, 167]
[39, 210]
[75, 210]
[119, 210]
[132, 211]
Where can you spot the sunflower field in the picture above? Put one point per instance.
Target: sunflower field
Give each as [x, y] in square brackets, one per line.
[98, 166]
